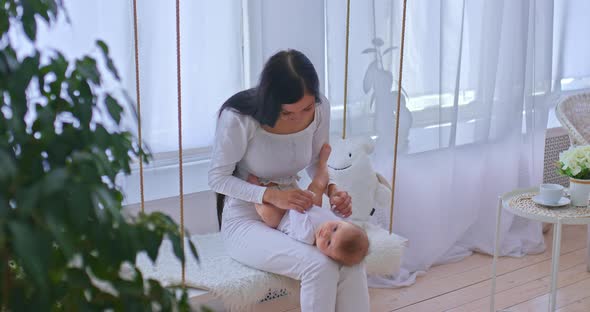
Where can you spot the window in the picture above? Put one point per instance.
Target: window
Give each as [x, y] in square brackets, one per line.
[452, 80]
[212, 69]
[466, 64]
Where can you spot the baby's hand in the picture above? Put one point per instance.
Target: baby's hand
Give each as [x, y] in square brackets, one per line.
[341, 203]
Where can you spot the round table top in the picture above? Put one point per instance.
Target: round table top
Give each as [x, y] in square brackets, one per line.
[520, 203]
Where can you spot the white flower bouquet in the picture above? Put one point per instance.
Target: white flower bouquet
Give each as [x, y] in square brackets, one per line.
[575, 162]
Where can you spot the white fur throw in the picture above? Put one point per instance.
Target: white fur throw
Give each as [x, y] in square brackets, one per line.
[385, 250]
[240, 287]
[237, 285]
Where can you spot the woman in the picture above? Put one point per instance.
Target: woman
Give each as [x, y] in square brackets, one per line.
[274, 131]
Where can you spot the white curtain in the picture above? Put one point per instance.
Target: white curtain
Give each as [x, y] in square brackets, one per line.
[211, 59]
[75, 33]
[211, 51]
[479, 80]
[212, 70]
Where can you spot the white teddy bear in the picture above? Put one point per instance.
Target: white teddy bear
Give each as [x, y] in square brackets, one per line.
[350, 168]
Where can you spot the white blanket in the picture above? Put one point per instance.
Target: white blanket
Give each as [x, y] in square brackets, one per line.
[239, 286]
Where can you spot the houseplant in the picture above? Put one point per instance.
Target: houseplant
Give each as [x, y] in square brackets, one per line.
[64, 239]
[575, 163]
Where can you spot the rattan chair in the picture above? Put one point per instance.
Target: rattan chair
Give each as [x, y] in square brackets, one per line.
[574, 114]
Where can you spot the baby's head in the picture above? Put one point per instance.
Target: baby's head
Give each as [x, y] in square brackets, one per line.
[342, 241]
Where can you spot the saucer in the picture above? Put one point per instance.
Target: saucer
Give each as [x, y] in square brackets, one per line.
[562, 201]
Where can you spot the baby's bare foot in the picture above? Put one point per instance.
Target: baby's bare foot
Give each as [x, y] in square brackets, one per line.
[325, 154]
[321, 177]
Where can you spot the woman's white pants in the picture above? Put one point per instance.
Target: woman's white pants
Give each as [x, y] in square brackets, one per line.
[325, 285]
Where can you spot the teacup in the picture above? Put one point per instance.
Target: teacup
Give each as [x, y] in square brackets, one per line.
[550, 193]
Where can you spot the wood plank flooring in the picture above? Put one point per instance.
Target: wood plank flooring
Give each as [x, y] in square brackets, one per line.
[464, 286]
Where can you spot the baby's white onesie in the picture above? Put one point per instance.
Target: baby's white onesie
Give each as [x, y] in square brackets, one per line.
[302, 226]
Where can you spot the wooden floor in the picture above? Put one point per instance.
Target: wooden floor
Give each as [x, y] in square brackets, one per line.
[522, 284]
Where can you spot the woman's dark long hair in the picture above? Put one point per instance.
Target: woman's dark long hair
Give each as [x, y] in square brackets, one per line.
[287, 76]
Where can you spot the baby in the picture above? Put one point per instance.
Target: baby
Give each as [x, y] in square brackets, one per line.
[344, 242]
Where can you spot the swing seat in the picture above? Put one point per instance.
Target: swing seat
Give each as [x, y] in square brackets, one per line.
[241, 287]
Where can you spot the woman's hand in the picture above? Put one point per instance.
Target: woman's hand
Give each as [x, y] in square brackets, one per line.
[295, 199]
[340, 201]
[288, 199]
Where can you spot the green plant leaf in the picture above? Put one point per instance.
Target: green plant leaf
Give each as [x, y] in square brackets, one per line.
[4, 212]
[31, 250]
[4, 22]
[29, 24]
[87, 68]
[103, 165]
[128, 288]
[114, 108]
[150, 241]
[103, 138]
[110, 64]
[27, 199]
[79, 206]
[110, 204]
[193, 248]
[55, 181]
[57, 229]
[8, 166]
[9, 62]
[78, 278]
[177, 247]
[40, 8]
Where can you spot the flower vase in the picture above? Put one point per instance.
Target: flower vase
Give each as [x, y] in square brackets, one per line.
[579, 192]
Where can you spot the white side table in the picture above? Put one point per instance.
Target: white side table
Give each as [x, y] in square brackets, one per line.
[519, 203]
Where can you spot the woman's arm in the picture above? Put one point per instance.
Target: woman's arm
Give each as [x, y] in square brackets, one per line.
[231, 141]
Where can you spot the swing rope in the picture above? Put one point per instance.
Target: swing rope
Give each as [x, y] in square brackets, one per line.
[179, 98]
[138, 94]
[346, 69]
[180, 163]
[399, 88]
[399, 94]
